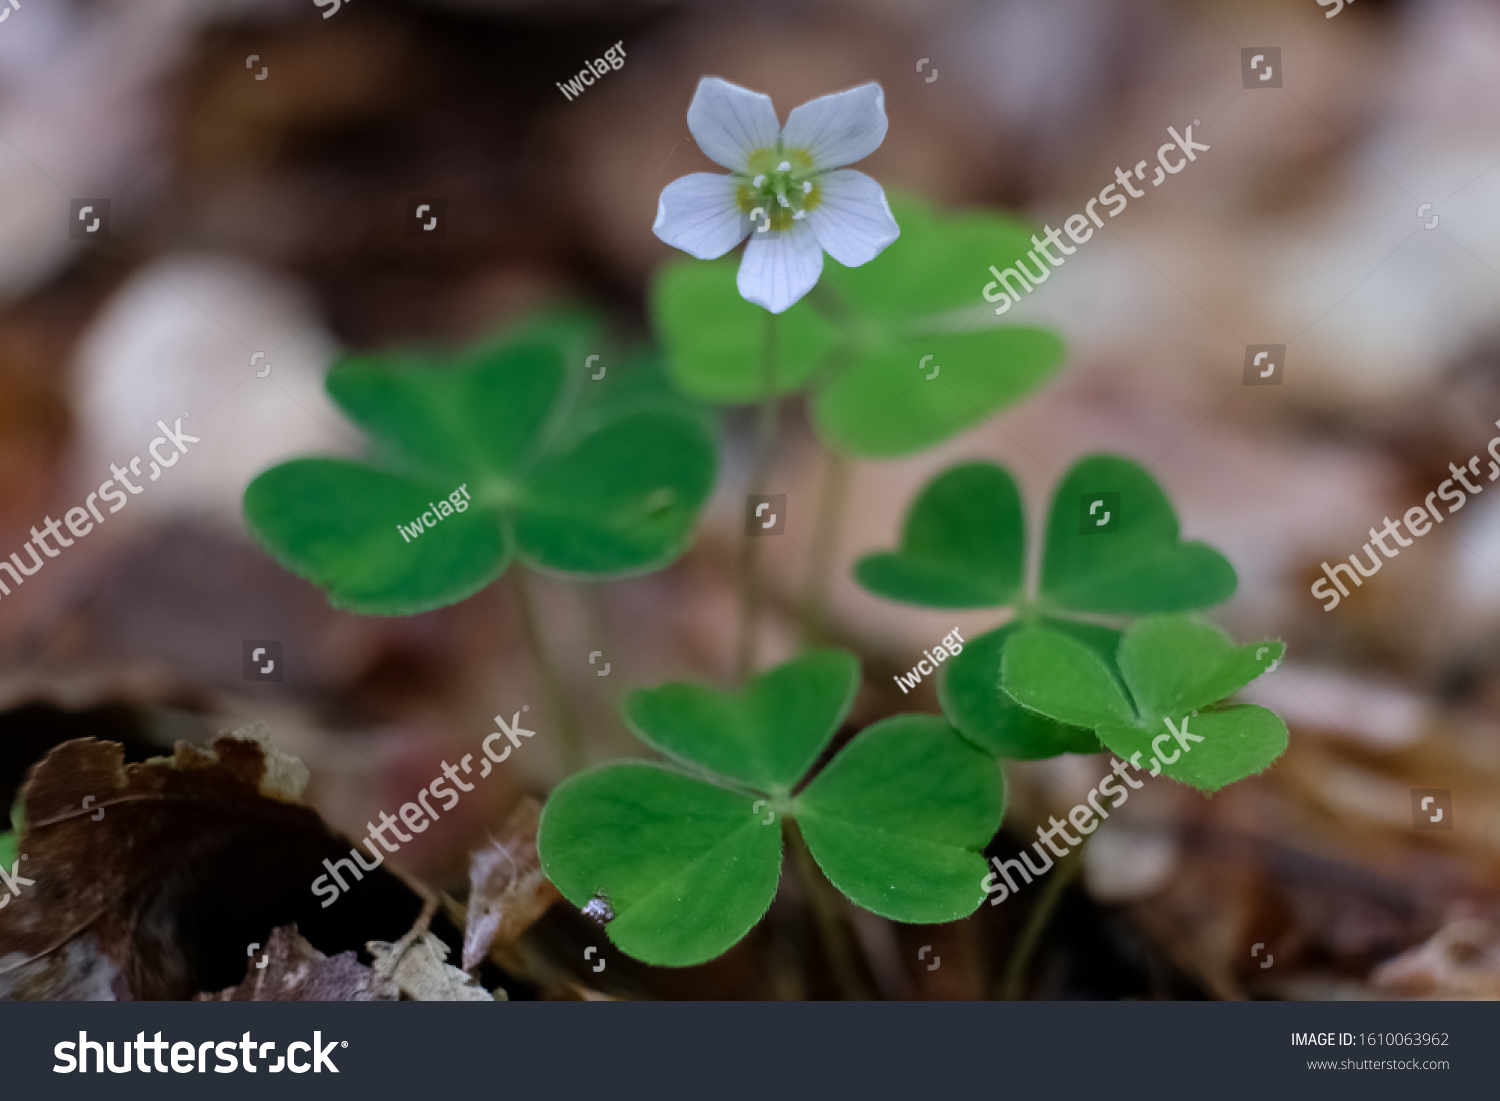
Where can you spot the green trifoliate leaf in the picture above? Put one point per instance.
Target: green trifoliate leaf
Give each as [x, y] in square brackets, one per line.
[715, 341]
[1063, 678]
[1117, 551]
[898, 820]
[1112, 547]
[686, 866]
[962, 545]
[1174, 669]
[482, 418]
[883, 404]
[973, 701]
[767, 735]
[601, 483]
[624, 499]
[339, 525]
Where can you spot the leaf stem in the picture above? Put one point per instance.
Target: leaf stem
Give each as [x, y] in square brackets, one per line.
[1013, 986]
[765, 442]
[570, 741]
[823, 900]
[831, 510]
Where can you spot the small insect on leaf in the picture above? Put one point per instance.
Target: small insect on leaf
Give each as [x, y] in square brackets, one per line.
[599, 909]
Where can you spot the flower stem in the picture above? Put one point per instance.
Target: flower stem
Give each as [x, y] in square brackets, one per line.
[824, 904]
[570, 742]
[831, 509]
[1013, 986]
[765, 441]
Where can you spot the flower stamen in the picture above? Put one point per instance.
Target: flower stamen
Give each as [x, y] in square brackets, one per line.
[785, 192]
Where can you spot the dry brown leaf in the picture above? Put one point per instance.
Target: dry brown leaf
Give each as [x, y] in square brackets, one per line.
[508, 890]
[170, 867]
[416, 965]
[292, 970]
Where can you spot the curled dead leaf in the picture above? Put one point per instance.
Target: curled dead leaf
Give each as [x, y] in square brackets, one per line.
[193, 857]
[508, 890]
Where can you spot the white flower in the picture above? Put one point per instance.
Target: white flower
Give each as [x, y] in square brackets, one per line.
[787, 189]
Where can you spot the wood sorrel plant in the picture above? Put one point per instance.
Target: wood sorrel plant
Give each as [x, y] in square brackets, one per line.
[857, 343]
[689, 855]
[1058, 678]
[564, 480]
[584, 477]
[1173, 667]
[683, 858]
[1050, 681]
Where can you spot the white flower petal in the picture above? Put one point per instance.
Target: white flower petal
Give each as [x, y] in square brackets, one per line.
[729, 122]
[839, 129]
[780, 266]
[852, 220]
[700, 215]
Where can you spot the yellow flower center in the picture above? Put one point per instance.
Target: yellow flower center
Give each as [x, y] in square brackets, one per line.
[778, 188]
